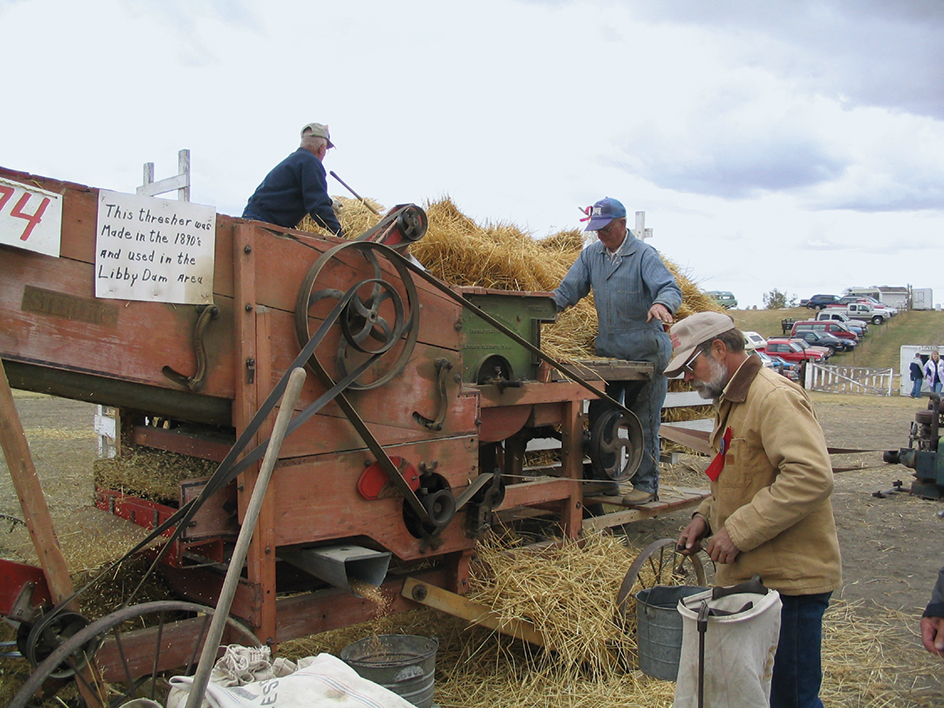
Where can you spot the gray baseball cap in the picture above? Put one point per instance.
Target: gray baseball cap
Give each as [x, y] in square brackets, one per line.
[688, 334]
[319, 131]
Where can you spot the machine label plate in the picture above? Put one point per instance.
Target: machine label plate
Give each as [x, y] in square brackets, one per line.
[70, 307]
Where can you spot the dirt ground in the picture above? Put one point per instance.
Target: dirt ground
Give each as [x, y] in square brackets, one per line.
[892, 547]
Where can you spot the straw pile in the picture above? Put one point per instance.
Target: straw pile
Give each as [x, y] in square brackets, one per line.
[150, 474]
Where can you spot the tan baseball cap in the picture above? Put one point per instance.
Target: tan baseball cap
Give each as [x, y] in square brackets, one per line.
[319, 131]
[694, 330]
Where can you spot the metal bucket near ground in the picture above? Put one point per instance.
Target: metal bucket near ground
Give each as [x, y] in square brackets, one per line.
[402, 663]
[659, 629]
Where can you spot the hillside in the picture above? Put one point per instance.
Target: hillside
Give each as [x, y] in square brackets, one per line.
[881, 345]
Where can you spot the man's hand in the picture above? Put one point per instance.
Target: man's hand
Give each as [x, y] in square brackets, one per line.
[721, 548]
[932, 635]
[689, 541]
[660, 312]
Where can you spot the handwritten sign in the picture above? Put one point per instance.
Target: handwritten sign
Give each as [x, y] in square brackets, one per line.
[30, 218]
[156, 250]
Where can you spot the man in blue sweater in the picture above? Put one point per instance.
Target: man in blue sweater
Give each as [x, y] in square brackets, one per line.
[635, 295]
[297, 186]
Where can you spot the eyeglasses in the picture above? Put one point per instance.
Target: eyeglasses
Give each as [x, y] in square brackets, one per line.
[608, 228]
[689, 365]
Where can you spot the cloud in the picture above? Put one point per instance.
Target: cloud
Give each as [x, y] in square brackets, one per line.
[864, 52]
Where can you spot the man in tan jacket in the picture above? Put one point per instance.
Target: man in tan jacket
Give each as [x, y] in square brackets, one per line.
[769, 512]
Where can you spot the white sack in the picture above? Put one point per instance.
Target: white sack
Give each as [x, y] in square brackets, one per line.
[739, 651]
[322, 681]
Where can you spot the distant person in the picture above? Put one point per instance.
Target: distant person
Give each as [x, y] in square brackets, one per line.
[934, 372]
[917, 375]
[297, 186]
[932, 621]
[634, 295]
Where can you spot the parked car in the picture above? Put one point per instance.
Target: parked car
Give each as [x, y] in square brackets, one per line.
[833, 327]
[724, 298]
[781, 366]
[792, 350]
[877, 305]
[863, 310]
[818, 302]
[752, 340]
[860, 327]
[827, 340]
[823, 351]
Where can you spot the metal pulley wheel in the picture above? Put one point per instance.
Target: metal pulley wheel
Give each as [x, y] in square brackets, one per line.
[441, 506]
[412, 223]
[38, 641]
[616, 445]
[382, 315]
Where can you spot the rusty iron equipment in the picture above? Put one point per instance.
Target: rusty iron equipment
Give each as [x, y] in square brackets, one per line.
[924, 453]
[406, 445]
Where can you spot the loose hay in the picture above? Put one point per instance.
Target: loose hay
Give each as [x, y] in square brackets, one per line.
[151, 474]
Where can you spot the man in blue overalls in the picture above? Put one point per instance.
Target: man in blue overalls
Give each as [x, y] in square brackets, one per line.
[634, 294]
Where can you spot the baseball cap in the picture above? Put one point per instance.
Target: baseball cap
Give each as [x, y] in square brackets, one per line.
[694, 330]
[319, 131]
[603, 212]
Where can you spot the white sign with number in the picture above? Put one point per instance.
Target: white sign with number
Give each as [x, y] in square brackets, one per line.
[30, 218]
[155, 250]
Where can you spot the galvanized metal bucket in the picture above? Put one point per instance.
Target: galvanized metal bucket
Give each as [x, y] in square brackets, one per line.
[402, 663]
[659, 629]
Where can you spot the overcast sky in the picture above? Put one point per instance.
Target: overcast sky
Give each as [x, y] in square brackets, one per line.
[789, 144]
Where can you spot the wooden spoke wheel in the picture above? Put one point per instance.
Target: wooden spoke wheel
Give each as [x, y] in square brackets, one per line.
[132, 653]
[660, 564]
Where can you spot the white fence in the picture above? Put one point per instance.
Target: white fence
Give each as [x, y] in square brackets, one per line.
[849, 379]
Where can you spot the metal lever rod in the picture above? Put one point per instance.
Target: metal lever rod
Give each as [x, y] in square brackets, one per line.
[228, 592]
[359, 197]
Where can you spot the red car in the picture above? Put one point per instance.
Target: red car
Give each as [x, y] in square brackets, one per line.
[790, 350]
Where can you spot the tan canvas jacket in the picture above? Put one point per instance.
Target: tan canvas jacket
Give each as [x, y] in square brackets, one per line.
[773, 493]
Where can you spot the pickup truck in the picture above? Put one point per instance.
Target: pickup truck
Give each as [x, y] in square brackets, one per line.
[860, 327]
[860, 310]
[877, 305]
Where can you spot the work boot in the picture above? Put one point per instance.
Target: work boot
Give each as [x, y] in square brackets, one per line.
[602, 488]
[639, 496]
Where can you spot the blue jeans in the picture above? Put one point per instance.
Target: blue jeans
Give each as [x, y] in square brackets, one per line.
[916, 388]
[937, 387]
[798, 668]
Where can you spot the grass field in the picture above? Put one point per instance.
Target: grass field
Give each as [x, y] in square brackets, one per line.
[881, 346]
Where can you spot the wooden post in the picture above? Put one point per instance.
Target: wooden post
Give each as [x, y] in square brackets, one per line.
[641, 232]
[30, 492]
[572, 466]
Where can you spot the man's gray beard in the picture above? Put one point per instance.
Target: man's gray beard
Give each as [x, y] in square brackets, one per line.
[713, 387]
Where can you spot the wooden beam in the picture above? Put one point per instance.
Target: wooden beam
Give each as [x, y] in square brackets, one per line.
[30, 492]
[458, 606]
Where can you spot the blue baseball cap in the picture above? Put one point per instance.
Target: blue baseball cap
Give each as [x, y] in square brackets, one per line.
[603, 212]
